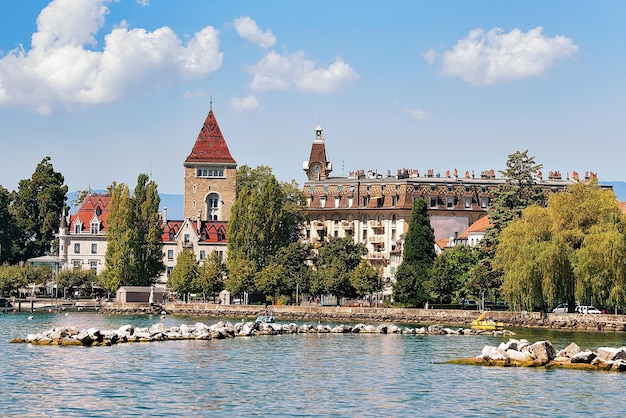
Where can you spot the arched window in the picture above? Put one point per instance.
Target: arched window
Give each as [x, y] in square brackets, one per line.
[213, 203]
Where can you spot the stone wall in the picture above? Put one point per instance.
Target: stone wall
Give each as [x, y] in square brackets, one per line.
[407, 316]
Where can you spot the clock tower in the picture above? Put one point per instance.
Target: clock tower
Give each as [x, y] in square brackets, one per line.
[317, 167]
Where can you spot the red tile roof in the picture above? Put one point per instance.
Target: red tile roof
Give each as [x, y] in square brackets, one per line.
[92, 204]
[210, 146]
[212, 231]
[480, 225]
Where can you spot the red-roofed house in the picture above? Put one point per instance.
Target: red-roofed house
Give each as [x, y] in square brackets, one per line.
[82, 236]
[472, 235]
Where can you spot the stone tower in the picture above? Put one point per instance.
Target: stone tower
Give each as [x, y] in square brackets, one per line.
[210, 175]
[317, 167]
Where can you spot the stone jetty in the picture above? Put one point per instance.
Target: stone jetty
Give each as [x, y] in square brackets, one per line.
[521, 353]
[220, 330]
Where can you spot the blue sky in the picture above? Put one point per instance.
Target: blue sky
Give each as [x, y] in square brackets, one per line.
[111, 89]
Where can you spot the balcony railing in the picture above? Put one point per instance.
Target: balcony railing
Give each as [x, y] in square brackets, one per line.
[347, 225]
[375, 224]
[376, 239]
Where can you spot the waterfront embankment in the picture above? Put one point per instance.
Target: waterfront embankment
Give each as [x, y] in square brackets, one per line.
[394, 315]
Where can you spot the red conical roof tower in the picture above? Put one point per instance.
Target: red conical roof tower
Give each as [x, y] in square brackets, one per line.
[210, 146]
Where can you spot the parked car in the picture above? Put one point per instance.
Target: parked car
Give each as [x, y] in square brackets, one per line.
[470, 303]
[582, 309]
[561, 308]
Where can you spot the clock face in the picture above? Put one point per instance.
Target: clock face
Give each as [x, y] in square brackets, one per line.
[317, 167]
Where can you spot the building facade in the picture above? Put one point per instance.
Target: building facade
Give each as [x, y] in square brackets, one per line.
[82, 236]
[375, 209]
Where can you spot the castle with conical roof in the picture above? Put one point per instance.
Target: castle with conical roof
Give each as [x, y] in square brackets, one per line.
[210, 175]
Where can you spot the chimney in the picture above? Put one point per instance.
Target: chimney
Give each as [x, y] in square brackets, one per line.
[165, 214]
[199, 221]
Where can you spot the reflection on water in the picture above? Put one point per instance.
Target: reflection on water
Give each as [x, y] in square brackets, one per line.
[290, 375]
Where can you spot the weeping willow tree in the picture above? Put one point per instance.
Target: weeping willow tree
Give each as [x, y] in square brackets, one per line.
[521, 246]
[574, 250]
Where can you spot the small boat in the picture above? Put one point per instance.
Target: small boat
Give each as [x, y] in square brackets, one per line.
[485, 322]
[265, 317]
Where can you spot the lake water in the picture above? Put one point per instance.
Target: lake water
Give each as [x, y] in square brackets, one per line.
[290, 375]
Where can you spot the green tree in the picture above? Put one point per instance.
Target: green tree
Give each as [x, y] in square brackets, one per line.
[149, 230]
[573, 250]
[134, 255]
[9, 234]
[70, 279]
[519, 190]
[37, 208]
[266, 216]
[297, 259]
[365, 279]
[12, 278]
[211, 275]
[270, 280]
[418, 256]
[240, 277]
[450, 275]
[184, 274]
[336, 263]
[119, 263]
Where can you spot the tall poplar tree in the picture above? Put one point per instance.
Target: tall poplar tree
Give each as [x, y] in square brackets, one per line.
[120, 236]
[37, 207]
[134, 255]
[149, 231]
[418, 255]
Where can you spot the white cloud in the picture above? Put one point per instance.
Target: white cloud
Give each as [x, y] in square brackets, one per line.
[419, 115]
[59, 70]
[143, 3]
[284, 72]
[250, 102]
[493, 57]
[430, 56]
[248, 29]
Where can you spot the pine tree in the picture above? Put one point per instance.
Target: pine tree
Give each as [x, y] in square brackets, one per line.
[519, 191]
[37, 208]
[418, 255]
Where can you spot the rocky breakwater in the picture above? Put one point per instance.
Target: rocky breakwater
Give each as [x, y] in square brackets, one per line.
[543, 354]
[220, 330]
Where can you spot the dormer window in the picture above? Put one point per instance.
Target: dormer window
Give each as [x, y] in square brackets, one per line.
[77, 228]
[95, 228]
